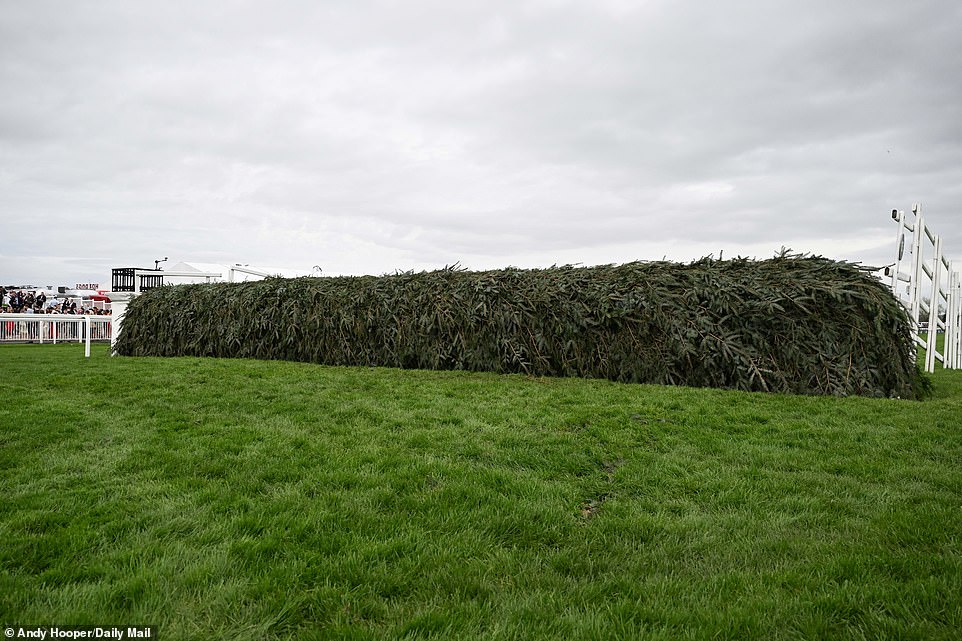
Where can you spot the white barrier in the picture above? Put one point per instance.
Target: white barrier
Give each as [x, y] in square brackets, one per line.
[54, 328]
[118, 308]
[933, 289]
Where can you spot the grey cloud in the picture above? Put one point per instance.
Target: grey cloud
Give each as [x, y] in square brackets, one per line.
[502, 131]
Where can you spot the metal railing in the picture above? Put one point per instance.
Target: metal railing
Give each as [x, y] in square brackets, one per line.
[136, 279]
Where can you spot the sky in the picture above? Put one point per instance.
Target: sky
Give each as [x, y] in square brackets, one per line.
[374, 136]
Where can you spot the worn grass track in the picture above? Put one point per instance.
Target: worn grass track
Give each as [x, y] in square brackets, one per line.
[272, 500]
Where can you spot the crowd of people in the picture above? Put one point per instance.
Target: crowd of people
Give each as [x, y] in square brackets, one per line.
[28, 302]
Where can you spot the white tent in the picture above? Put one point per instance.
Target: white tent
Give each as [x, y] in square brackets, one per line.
[216, 273]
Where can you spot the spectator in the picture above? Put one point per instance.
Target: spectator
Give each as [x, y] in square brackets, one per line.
[29, 302]
[14, 301]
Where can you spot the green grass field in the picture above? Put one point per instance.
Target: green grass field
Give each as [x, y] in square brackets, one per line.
[220, 499]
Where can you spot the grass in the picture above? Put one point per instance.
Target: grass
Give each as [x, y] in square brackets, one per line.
[236, 499]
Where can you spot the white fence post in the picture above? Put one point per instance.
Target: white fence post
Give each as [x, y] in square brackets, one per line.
[953, 330]
[118, 307]
[935, 275]
[87, 334]
[948, 348]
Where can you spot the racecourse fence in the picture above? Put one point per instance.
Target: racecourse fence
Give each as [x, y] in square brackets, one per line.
[54, 328]
[929, 287]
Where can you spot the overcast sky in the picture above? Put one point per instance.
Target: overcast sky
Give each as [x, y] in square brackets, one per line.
[372, 136]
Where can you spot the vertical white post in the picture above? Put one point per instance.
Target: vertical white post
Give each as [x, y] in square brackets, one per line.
[934, 299]
[948, 355]
[915, 298]
[118, 308]
[957, 319]
[898, 217]
[953, 320]
[87, 334]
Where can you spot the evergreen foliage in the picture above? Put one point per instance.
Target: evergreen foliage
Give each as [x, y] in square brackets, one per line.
[796, 324]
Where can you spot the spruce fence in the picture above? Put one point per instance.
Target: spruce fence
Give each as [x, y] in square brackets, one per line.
[792, 324]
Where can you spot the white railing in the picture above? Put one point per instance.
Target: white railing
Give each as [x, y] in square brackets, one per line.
[54, 328]
[932, 292]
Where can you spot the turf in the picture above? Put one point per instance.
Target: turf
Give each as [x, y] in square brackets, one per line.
[238, 499]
